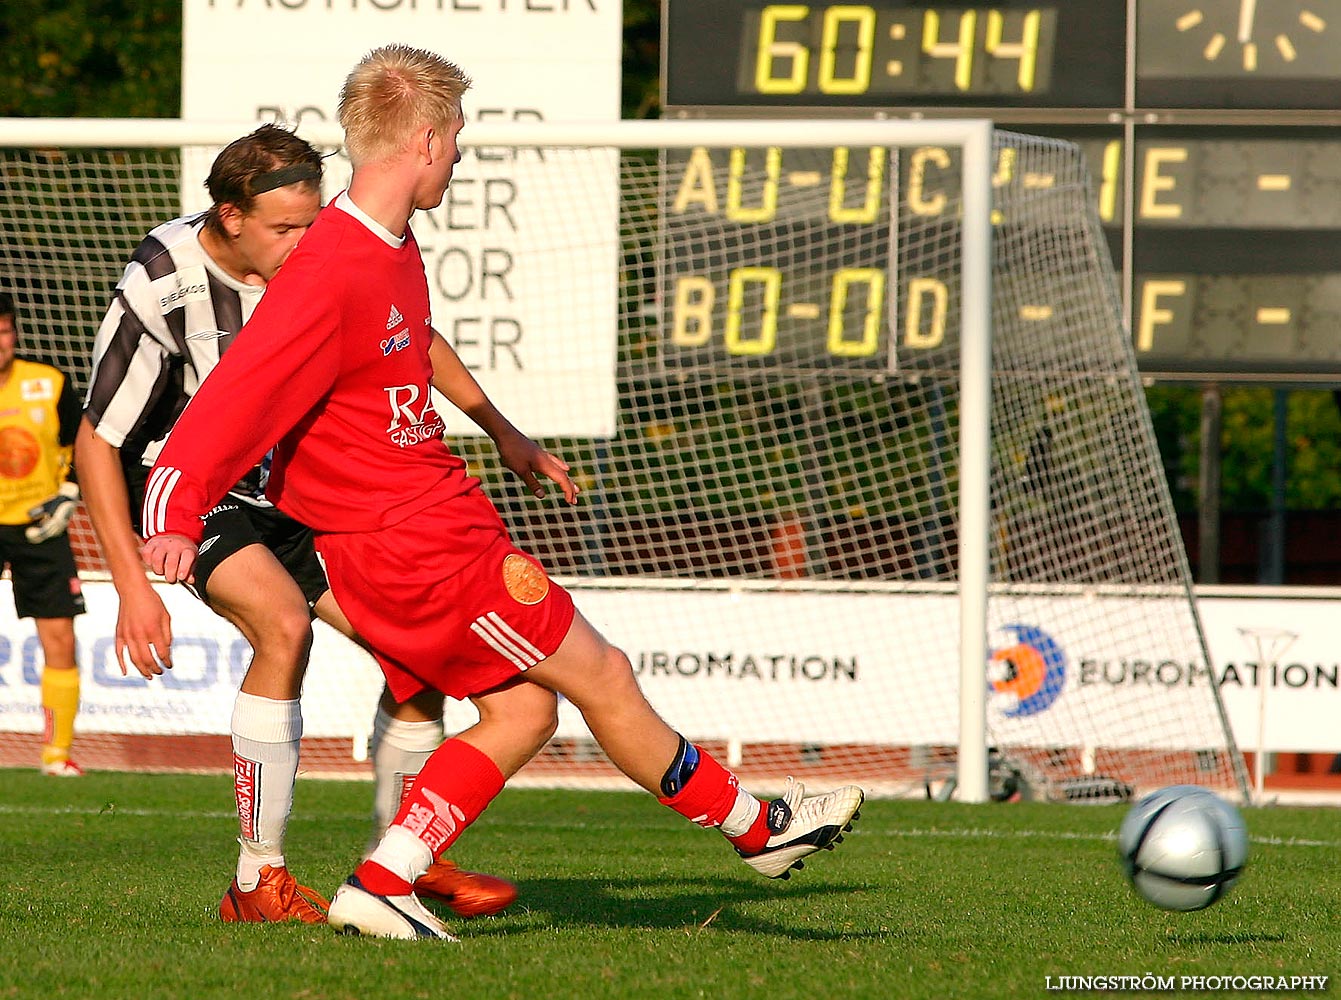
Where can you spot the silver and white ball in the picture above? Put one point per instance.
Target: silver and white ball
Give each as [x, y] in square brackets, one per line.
[1183, 847]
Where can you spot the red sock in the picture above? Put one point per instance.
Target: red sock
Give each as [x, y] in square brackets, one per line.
[375, 878]
[752, 841]
[708, 795]
[457, 783]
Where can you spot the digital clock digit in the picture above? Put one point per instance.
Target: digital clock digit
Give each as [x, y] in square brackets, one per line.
[857, 50]
[1237, 179]
[1238, 324]
[799, 242]
[825, 54]
[748, 321]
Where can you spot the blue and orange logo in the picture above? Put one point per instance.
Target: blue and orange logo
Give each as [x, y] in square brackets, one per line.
[396, 342]
[1033, 670]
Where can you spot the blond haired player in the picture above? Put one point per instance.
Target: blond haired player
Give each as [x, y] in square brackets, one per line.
[185, 294]
[415, 552]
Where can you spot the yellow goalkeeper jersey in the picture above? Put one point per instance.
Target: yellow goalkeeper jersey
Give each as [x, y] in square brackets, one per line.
[39, 413]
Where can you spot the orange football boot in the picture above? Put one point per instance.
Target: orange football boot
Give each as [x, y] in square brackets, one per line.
[276, 898]
[469, 894]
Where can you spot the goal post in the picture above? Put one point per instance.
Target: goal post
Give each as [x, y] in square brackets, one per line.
[870, 489]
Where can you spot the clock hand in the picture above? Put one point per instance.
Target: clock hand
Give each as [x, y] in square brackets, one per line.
[1247, 13]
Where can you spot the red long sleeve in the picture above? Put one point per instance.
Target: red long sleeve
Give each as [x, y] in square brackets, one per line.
[334, 366]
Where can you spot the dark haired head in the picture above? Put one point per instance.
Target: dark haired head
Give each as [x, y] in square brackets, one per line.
[269, 158]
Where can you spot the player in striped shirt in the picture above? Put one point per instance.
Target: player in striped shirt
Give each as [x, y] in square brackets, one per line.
[188, 289]
[338, 359]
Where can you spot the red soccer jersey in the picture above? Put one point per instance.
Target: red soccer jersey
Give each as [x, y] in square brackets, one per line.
[334, 364]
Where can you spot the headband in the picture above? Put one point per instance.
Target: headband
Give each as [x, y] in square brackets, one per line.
[283, 176]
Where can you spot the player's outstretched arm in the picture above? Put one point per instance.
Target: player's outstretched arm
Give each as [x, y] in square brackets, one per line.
[280, 366]
[143, 626]
[518, 452]
[531, 462]
[171, 556]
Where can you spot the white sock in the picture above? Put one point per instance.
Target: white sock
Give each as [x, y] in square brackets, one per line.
[402, 853]
[265, 763]
[399, 751]
[742, 815]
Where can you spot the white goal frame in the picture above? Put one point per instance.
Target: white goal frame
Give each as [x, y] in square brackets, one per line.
[972, 136]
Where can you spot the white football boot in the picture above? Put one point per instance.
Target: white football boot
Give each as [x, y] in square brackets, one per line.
[802, 825]
[62, 769]
[355, 910]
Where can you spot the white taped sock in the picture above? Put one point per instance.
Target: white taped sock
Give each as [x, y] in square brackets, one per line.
[399, 751]
[266, 735]
[742, 815]
[403, 854]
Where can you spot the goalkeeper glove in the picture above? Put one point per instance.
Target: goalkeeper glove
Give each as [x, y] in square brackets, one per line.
[53, 516]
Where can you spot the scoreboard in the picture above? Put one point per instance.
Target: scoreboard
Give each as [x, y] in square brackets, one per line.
[1209, 127]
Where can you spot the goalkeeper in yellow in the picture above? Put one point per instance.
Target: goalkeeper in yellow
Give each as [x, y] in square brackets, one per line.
[39, 413]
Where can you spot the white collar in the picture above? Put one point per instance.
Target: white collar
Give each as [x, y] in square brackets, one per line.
[346, 204]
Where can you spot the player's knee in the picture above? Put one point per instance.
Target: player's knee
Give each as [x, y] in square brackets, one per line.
[535, 729]
[285, 635]
[58, 641]
[529, 712]
[610, 677]
[616, 666]
[543, 722]
[59, 650]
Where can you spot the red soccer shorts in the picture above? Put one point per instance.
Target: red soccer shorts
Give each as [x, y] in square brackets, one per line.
[444, 600]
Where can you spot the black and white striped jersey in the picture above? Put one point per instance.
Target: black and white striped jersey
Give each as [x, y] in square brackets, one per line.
[174, 312]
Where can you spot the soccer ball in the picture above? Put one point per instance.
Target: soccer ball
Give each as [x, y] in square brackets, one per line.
[1182, 847]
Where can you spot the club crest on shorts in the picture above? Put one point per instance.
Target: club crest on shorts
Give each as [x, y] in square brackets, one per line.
[525, 581]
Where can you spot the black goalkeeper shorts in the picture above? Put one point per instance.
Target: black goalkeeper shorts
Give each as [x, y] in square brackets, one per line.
[46, 583]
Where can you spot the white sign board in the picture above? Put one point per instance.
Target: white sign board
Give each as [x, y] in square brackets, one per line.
[749, 666]
[522, 257]
[196, 695]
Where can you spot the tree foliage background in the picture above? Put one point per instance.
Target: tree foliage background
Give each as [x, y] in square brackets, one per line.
[122, 58]
[91, 58]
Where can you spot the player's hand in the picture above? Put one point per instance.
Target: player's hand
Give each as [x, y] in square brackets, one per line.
[52, 517]
[143, 632]
[173, 557]
[530, 461]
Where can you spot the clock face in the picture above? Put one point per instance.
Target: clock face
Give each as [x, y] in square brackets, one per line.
[1238, 38]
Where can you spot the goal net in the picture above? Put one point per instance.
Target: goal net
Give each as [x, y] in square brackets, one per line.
[752, 346]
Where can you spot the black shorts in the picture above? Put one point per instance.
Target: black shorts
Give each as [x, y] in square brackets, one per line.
[46, 583]
[233, 525]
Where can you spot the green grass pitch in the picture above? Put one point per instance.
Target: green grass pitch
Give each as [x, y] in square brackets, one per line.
[111, 884]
